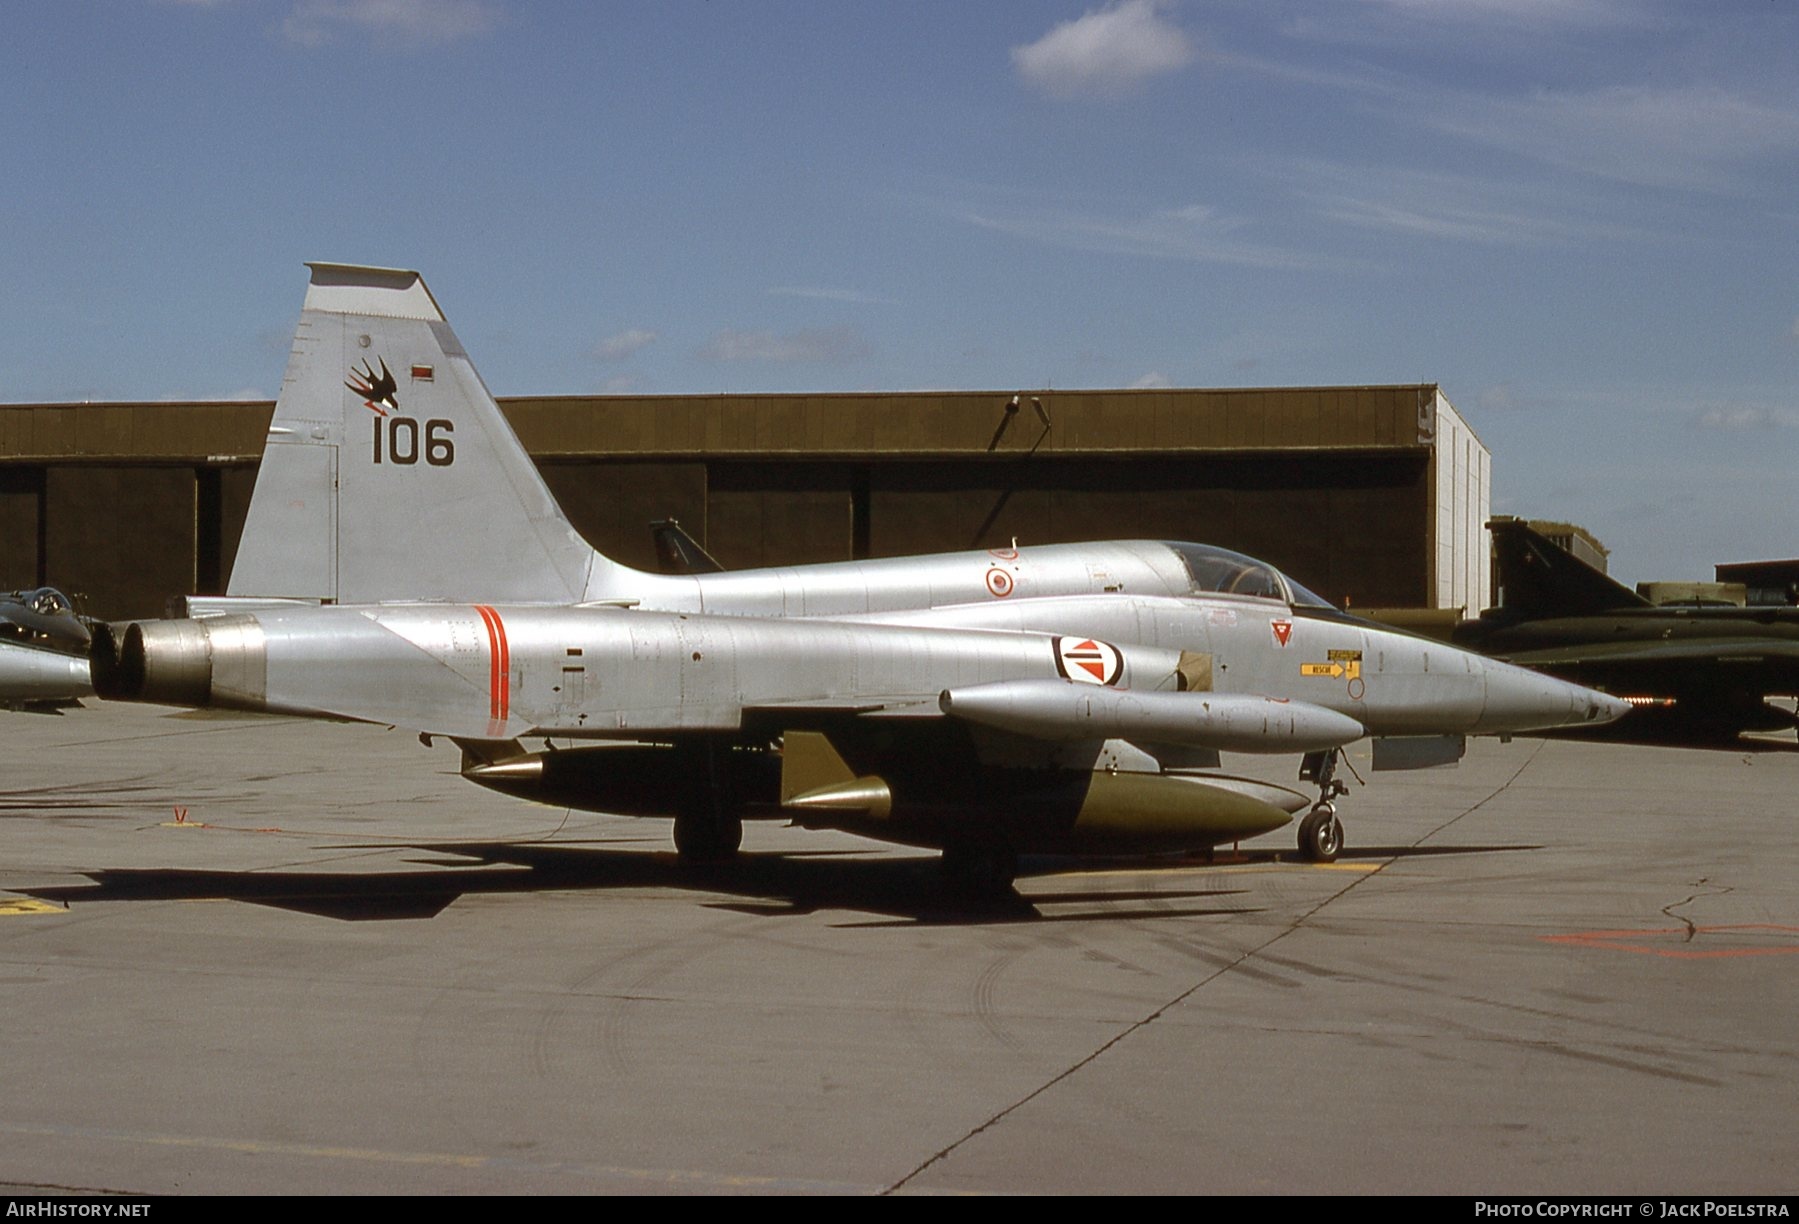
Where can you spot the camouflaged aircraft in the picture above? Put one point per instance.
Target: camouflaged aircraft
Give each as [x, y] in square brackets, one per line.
[1692, 675]
[404, 564]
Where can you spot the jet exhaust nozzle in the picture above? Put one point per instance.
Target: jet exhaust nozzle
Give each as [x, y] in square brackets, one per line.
[167, 662]
[216, 662]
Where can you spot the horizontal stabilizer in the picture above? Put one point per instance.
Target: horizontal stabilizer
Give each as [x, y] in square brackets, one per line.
[679, 553]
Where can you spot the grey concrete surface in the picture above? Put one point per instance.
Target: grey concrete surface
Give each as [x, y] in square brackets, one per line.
[1556, 968]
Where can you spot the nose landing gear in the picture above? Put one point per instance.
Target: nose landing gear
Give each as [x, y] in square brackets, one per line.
[1321, 833]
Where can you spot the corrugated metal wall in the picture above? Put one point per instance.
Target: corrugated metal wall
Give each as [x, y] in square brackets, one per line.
[1343, 487]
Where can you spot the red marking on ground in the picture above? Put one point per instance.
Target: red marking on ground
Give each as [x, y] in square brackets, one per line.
[1615, 941]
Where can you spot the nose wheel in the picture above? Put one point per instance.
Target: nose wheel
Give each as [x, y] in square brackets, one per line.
[1321, 833]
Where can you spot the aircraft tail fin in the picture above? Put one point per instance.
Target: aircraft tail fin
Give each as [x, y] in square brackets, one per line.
[1539, 578]
[390, 473]
[679, 553]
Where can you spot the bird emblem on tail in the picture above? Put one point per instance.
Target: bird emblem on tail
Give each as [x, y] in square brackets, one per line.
[374, 389]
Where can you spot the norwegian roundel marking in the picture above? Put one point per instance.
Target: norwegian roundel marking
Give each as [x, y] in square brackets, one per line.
[1087, 661]
[999, 583]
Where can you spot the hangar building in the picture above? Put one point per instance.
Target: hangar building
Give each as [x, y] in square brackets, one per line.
[1372, 495]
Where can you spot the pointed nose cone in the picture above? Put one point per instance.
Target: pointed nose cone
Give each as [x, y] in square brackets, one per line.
[1520, 700]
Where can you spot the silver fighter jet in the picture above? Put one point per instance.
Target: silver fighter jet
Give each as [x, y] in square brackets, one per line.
[403, 563]
[43, 651]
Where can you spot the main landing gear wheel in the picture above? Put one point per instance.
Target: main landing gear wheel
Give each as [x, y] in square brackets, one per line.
[708, 837]
[1321, 835]
[708, 820]
[979, 869]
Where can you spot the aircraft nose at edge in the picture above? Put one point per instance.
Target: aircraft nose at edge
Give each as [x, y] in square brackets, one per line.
[1520, 700]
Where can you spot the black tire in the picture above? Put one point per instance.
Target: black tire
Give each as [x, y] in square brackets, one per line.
[708, 837]
[979, 869]
[1320, 836]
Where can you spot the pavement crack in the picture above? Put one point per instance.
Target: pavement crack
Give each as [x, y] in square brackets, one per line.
[1496, 792]
[1139, 1024]
[1692, 928]
[1135, 1026]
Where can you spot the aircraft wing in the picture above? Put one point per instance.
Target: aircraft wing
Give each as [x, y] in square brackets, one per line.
[1780, 657]
[1695, 691]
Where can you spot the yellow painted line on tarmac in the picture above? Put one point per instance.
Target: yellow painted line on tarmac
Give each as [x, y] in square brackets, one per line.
[1210, 869]
[445, 1160]
[1251, 868]
[26, 905]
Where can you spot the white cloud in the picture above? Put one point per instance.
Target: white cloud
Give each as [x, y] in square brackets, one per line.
[1746, 418]
[1452, 207]
[829, 345]
[625, 343]
[229, 397]
[313, 23]
[1194, 233]
[1498, 398]
[829, 295]
[1155, 378]
[1691, 137]
[1531, 14]
[1105, 51]
[1416, 23]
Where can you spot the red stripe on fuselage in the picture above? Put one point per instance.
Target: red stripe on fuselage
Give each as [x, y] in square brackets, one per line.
[499, 665]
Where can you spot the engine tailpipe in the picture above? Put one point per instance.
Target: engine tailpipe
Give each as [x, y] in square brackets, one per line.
[168, 662]
[221, 661]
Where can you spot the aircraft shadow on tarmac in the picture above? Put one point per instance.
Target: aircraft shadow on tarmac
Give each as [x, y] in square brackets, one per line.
[763, 884]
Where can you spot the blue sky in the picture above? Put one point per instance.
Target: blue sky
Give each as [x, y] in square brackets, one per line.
[1581, 217]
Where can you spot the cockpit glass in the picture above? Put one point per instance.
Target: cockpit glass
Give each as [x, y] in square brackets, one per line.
[48, 602]
[1219, 571]
[1304, 598]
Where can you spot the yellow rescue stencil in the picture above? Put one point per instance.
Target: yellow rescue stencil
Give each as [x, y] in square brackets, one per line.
[26, 905]
[1343, 663]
